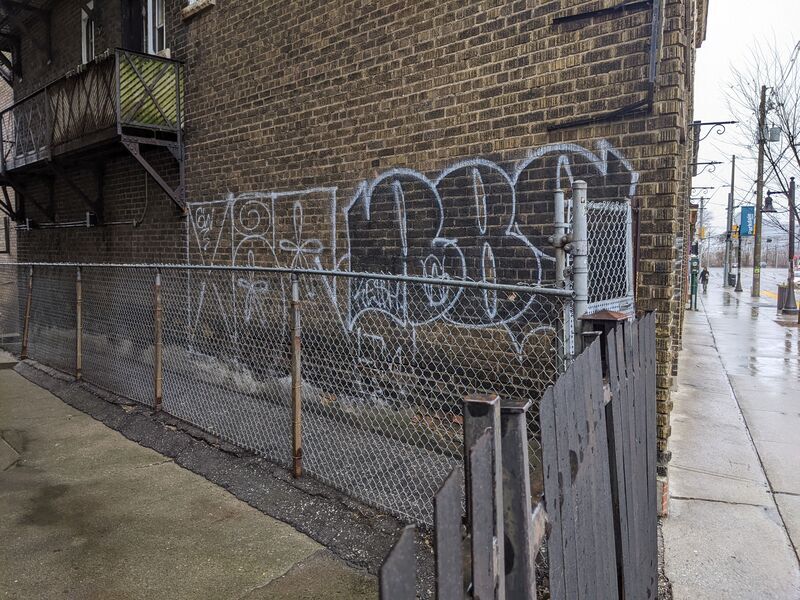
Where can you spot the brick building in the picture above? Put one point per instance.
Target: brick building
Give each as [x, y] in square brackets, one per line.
[352, 135]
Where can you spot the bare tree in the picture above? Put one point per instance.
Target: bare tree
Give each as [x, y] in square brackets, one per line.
[775, 66]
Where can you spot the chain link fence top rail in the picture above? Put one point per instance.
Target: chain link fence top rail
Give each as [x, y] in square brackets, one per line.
[385, 361]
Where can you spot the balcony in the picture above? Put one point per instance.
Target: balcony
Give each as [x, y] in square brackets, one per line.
[123, 98]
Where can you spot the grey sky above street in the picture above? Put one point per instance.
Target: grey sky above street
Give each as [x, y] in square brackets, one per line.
[735, 27]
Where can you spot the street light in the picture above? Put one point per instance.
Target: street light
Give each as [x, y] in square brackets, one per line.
[768, 206]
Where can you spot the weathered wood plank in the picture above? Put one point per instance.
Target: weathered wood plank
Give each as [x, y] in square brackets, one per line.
[447, 515]
[582, 476]
[614, 429]
[626, 406]
[398, 580]
[649, 326]
[482, 511]
[604, 541]
[563, 392]
[641, 459]
[552, 494]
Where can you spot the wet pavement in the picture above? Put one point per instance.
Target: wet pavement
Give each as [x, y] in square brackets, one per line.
[734, 524]
[87, 513]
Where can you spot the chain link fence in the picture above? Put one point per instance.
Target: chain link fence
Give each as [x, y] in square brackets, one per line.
[13, 282]
[609, 226]
[385, 361]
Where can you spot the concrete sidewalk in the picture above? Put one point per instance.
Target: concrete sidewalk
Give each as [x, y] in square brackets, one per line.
[734, 523]
[87, 513]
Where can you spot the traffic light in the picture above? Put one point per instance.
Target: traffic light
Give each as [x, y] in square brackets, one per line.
[735, 231]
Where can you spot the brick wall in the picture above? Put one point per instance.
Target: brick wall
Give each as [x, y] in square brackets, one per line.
[337, 93]
[142, 223]
[296, 111]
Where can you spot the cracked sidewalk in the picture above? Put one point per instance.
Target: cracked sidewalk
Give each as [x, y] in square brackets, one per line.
[733, 475]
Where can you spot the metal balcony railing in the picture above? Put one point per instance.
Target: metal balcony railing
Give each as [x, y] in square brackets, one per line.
[122, 93]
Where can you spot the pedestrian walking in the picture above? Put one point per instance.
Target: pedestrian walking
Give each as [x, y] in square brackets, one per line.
[704, 279]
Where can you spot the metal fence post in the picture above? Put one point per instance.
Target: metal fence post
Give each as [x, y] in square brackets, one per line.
[579, 247]
[27, 322]
[559, 241]
[158, 358]
[78, 325]
[520, 571]
[482, 413]
[297, 383]
[559, 233]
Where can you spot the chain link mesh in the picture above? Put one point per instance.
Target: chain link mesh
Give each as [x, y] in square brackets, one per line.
[51, 338]
[385, 362]
[226, 356]
[117, 329]
[13, 280]
[610, 256]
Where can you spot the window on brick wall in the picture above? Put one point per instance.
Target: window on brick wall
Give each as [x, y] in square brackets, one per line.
[155, 26]
[87, 31]
[5, 236]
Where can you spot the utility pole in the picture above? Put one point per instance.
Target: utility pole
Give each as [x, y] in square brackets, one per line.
[762, 123]
[729, 228]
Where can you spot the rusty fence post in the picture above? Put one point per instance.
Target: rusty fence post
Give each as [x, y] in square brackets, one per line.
[27, 322]
[297, 383]
[78, 325]
[157, 363]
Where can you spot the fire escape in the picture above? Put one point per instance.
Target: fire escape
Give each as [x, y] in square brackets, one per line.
[119, 103]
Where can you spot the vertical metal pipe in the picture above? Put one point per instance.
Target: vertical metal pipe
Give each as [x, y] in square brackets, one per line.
[520, 574]
[579, 247]
[158, 358]
[78, 325]
[790, 305]
[559, 240]
[297, 383]
[27, 322]
[482, 412]
[726, 272]
[559, 231]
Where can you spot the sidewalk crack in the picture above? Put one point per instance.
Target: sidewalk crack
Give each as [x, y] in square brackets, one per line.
[716, 501]
[154, 464]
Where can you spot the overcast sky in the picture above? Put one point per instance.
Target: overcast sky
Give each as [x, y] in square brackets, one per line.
[734, 27]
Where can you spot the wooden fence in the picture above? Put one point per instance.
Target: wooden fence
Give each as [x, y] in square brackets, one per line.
[598, 450]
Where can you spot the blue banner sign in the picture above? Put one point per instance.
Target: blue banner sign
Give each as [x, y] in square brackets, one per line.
[747, 223]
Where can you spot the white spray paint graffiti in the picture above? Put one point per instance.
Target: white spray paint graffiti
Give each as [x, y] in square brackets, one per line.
[472, 222]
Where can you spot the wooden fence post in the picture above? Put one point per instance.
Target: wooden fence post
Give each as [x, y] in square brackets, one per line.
[78, 325]
[398, 577]
[482, 413]
[297, 382]
[448, 549]
[158, 358]
[520, 573]
[27, 322]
